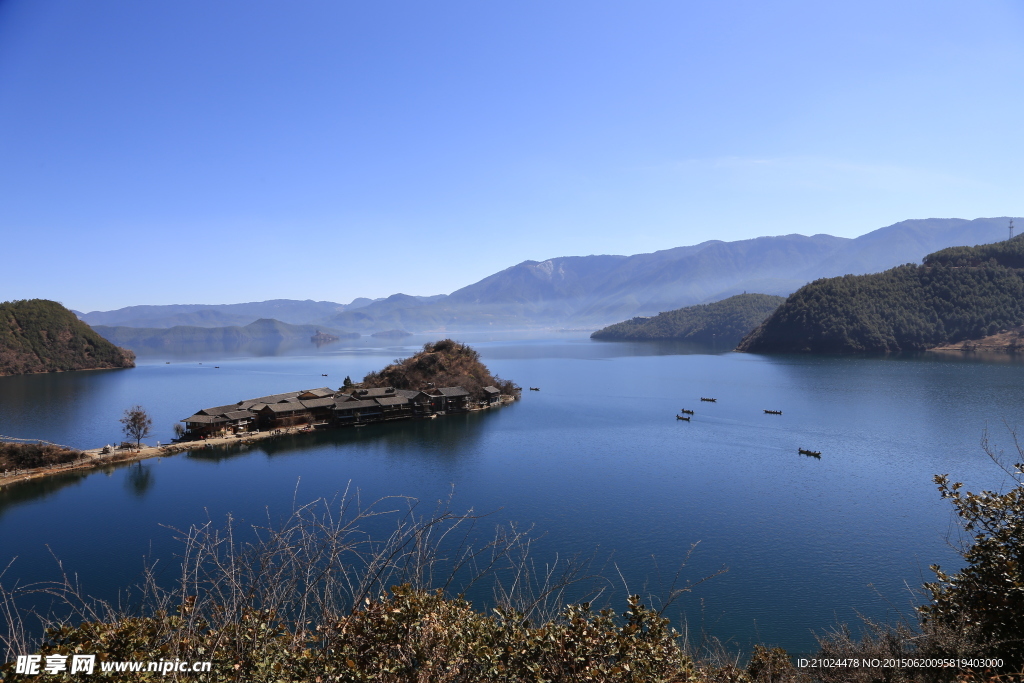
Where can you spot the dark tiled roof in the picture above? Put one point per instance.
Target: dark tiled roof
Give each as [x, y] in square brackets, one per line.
[319, 402]
[341, 398]
[452, 392]
[319, 393]
[375, 392]
[275, 398]
[407, 393]
[492, 390]
[219, 410]
[239, 415]
[393, 401]
[356, 405]
[204, 419]
[290, 407]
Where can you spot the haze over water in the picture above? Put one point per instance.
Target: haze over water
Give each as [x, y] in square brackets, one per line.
[595, 460]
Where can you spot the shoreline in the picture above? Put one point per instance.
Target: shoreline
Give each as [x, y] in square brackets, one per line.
[49, 372]
[96, 459]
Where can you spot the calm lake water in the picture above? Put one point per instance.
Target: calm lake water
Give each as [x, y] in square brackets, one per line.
[594, 461]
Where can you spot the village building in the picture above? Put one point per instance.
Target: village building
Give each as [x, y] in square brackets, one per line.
[324, 407]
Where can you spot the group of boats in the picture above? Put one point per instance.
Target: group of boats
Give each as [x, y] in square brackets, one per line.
[685, 415]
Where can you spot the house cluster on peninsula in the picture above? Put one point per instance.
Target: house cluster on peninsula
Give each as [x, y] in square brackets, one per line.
[328, 408]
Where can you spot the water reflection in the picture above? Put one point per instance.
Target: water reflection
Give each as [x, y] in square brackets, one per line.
[33, 490]
[444, 438]
[139, 479]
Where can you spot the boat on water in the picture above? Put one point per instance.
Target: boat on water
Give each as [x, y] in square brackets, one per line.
[813, 454]
[685, 411]
[709, 400]
[680, 417]
[773, 412]
[534, 388]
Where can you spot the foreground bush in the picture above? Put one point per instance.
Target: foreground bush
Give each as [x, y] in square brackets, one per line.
[24, 456]
[408, 635]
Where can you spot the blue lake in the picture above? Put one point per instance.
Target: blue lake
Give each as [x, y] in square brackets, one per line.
[594, 461]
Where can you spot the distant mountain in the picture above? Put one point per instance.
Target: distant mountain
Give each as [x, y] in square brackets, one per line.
[42, 336]
[230, 337]
[391, 334]
[201, 315]
[724, 322]
[593, 291]
[583, 291]
[958, 294]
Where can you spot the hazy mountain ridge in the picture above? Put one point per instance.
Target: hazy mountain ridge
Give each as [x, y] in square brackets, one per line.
[220, 315]
[597, 290]
[233, 336]
[582, 291]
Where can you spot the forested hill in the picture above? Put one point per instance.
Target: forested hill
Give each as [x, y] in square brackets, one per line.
[42, 336]
[725, 321]
[446, 363]
[957, 294]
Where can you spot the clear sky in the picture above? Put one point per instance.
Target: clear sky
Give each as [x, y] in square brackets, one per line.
[189, 151]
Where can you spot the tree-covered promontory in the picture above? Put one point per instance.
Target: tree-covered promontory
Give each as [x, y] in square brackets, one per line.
[37, 335]
[725, 321]
[445, 363]
[957, 294]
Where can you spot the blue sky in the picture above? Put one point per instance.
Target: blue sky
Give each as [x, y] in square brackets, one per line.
[158, 151]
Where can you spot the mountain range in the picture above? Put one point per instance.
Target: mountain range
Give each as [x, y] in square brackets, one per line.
[593, 291]
[230, 337]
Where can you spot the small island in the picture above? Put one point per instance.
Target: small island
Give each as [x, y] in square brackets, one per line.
[320, 338]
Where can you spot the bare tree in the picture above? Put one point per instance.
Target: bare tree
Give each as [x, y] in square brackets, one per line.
[136, 424]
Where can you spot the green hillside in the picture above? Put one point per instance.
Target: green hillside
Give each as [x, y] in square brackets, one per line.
[723, 322]
[42, 336]
[957, 294]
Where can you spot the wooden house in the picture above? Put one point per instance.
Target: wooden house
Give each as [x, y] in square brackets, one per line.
[284, 414]
[449, 399]
[351, 412]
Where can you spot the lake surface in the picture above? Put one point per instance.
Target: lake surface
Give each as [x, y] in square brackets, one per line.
[594, 461]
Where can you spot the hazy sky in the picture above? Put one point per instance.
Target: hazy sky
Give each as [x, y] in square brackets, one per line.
[178, 151]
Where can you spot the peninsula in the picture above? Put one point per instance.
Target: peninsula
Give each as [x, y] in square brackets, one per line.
[956, 295]
[445, 377]
[723, 322]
